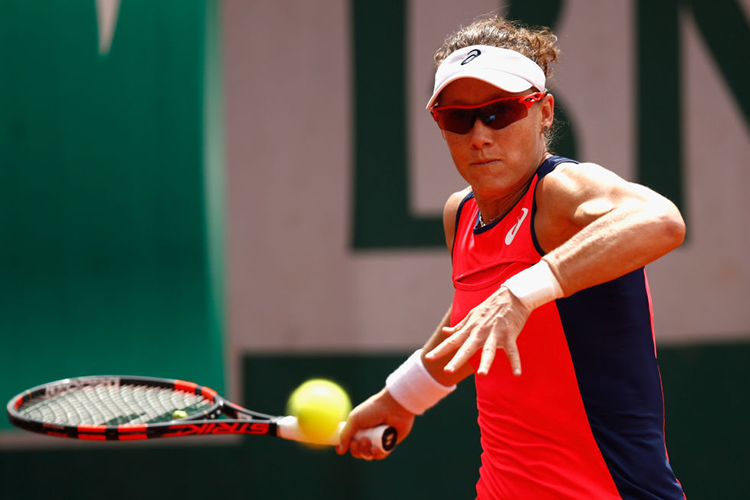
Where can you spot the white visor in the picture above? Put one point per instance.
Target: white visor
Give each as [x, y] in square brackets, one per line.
[505, 69]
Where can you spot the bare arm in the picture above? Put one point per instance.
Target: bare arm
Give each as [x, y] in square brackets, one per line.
[382, 408]
[606, 226]
[436, 366]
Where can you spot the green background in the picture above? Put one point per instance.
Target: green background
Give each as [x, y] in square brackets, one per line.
[110, 196]
[103, 209]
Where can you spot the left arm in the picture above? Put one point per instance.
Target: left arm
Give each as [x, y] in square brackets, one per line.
[595, 227]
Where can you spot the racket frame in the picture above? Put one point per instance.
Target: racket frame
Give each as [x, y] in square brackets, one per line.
[238, 420]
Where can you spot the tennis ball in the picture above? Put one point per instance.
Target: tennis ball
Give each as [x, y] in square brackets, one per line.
[319, 405]
[178, 414]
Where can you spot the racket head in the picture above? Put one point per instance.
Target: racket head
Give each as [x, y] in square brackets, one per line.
[111, 407]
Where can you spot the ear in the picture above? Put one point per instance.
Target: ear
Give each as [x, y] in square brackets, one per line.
[548, 111]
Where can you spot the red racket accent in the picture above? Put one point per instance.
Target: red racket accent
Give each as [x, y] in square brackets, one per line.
[132, 428]
[92, 428]
[182, 385]
[92, 437]
[131, 437]
[209, 394]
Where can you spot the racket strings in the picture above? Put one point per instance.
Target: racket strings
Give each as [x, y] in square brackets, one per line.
[113, 405]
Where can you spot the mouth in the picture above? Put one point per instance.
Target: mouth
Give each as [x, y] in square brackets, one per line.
[484, 161]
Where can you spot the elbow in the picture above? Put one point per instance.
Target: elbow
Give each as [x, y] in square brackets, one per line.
[671, 227]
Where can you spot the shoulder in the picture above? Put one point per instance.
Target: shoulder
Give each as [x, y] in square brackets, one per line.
[574, 195]
[585, 187]
[449, 214]
[571, 186]
[573, 178]
[569, 198]
[454, 202]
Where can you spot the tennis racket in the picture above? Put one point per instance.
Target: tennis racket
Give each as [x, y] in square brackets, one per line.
[131, 408]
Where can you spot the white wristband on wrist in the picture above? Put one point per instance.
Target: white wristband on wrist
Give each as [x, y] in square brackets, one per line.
[535, 286]
[412, 386]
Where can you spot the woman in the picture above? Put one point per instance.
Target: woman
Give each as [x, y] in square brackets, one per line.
[548, 265]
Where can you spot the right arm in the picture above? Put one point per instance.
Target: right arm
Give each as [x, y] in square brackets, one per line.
[436, 366]
[382, 408]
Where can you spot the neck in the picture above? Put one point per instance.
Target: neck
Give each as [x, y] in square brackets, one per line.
[493, 209]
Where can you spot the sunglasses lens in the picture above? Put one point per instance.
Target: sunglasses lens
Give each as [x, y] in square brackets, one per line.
[458, 121]
[498, 114]
[501, 114]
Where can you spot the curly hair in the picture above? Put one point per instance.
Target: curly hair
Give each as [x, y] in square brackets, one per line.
[536, 43]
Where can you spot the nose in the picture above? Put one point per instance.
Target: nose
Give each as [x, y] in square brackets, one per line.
[480, 135]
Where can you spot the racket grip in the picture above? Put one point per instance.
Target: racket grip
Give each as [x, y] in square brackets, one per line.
[383, 437]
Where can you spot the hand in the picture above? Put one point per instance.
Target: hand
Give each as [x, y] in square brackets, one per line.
[493, 324]
[378, 409]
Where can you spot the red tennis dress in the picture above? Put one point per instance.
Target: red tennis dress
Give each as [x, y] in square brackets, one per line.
[586, 418]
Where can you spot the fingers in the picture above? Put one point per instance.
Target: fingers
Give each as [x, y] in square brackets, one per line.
[359, 448]
[379, 409]
[466, 338]
[449, 345]
[514, 357]
[471, 345]
[470, 335]
[345, 438]
[488, 355]
[363, 449]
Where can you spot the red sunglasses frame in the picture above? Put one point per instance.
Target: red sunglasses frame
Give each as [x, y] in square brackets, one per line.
[526, 100]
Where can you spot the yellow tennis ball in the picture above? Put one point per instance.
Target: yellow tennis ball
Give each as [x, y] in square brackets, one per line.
[319, 405]
[178, 414]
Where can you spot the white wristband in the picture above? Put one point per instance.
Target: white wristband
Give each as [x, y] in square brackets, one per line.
[535, 286]
[413, 386]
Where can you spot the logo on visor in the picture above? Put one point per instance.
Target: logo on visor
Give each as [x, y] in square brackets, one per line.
[472, 55]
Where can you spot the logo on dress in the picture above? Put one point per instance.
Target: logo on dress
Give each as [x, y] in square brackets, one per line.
[512, 233]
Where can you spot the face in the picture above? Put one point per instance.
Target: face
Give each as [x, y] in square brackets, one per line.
[496, 163]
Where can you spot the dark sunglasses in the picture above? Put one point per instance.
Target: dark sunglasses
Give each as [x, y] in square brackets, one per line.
[497, 114]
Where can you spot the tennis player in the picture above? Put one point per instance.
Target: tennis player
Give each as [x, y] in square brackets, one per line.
[548, 266]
